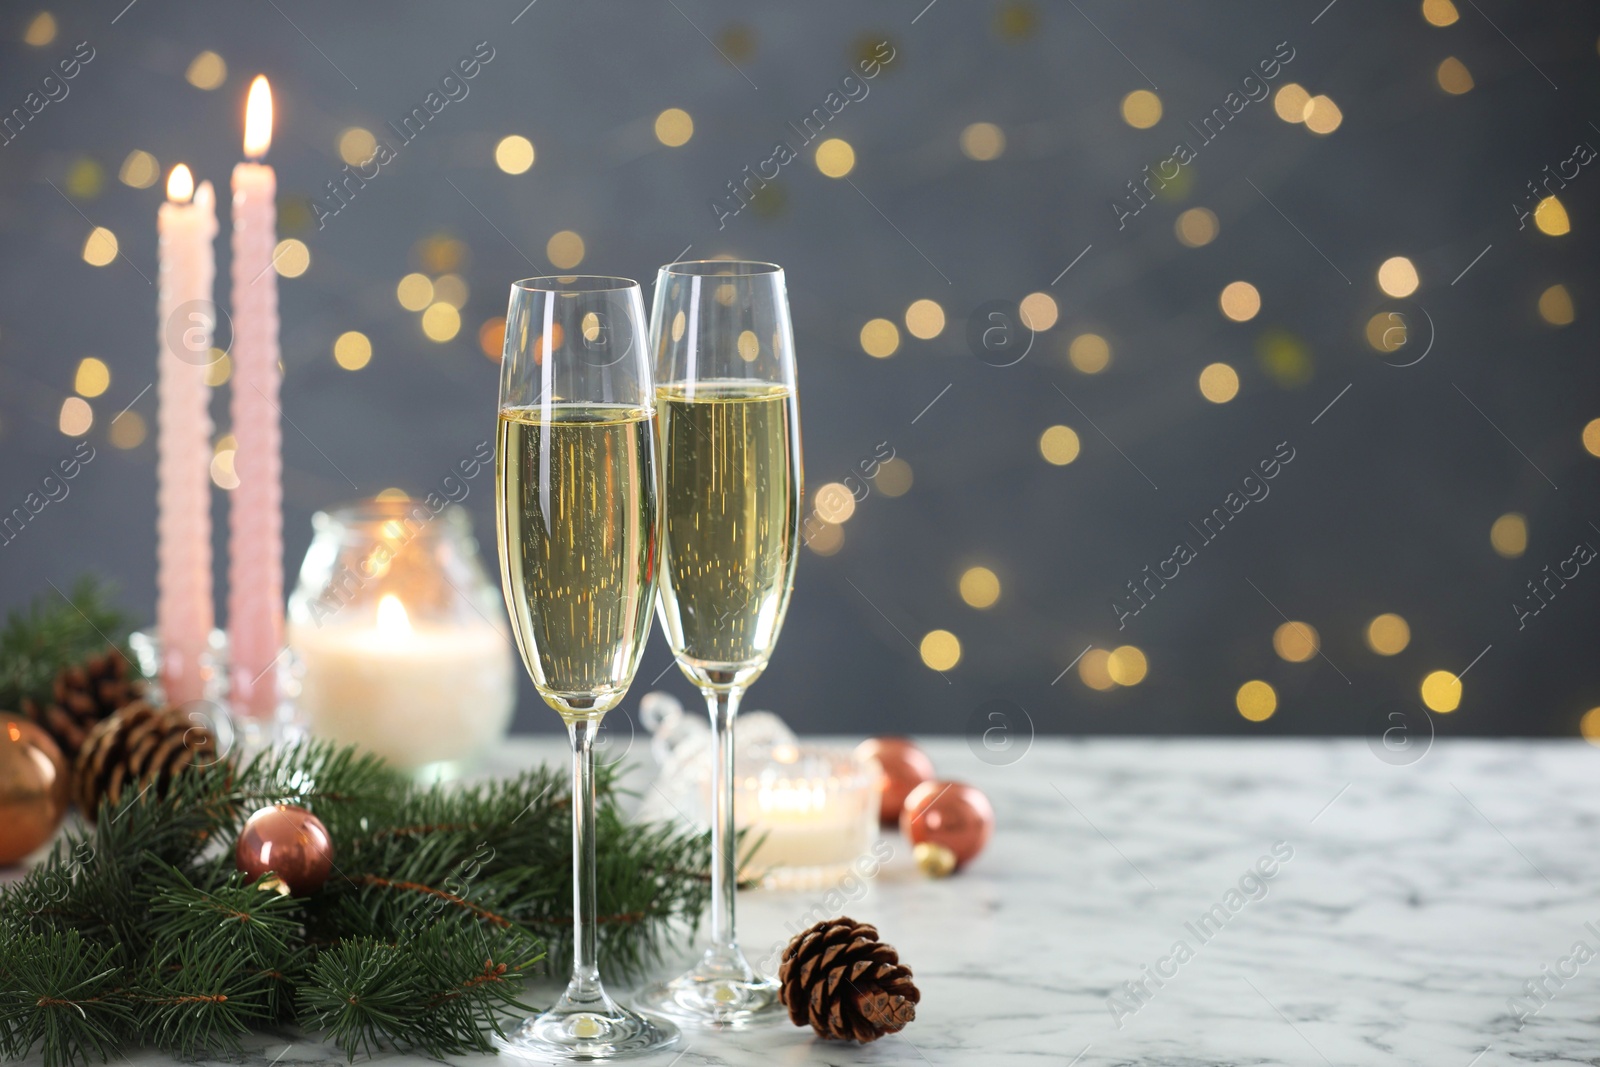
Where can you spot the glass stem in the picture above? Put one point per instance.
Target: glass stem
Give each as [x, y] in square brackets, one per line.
[723, 705]
[585, 983]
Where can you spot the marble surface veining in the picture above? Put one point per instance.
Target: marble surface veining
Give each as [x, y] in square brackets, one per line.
[1335, 909]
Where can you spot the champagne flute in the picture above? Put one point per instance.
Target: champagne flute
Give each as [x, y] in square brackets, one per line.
[728, 447]
[576, 511]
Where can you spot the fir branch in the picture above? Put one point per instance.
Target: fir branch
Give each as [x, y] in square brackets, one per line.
[62, 995]
[52, 633]
[139, 930]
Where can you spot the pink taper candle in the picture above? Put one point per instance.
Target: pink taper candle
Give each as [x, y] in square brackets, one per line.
[255, 542]
[187, 229]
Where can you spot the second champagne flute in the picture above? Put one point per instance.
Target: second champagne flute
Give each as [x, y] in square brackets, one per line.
[728, 430]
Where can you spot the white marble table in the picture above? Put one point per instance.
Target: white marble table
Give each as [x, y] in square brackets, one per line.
[1415, 902]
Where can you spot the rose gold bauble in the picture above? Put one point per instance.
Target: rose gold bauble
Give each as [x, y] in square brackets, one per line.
[290, 842]
[33, 788]
[951, 814]
[903, 767]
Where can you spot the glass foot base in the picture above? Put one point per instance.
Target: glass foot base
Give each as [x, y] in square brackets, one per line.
[565, 1034]
[719, 994]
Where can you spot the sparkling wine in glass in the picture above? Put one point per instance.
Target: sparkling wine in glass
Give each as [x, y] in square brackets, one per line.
[577, 523]
[728, 448]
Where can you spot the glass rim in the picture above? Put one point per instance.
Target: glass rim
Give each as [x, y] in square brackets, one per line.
[736, 268]
[574, 283]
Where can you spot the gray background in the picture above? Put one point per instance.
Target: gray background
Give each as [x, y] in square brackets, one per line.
[1387, 505]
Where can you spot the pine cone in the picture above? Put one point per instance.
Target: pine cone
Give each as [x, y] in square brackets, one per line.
[841, 979]
[140, 747]
[83, 695]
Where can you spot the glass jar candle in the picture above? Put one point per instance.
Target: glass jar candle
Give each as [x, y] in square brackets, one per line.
[401, 641]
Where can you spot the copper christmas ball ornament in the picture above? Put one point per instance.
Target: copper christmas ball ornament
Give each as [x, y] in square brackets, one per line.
[902, 765]
[33, 788]
[290, 842]
[952, 814]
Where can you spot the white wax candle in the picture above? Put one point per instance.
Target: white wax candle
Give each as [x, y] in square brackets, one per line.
[255, 543]
[187, 229]
[413, 695]
[808, 822]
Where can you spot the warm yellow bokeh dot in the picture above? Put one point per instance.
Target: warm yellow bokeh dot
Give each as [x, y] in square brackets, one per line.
[1256, 700]
[93, 377]
[1589, 726]
[76, 416]
[1439, 12]
[1441, 691]
[674, 127]
[514, 154]
[223, 476]
[980, 587]
[941, 650]
[441, 322]
[1141, 109]
[925, 319]
[1127, 665]
[1196, 227]
[983, 141]
[835, 158]
[85, 178]
[749, 346]
[1094, 669]
[1388, 634]
[100, 247]
[1290, 103]
[880, 338]
[206, 71]
[1219, 383]
[352, 350]
[414, 292]
[41, 31]
[128, 430]
[1555, 306]
[220, 369]
[835, 503]
[450, 289]
[291, 258]
[356, 145]
[1296, 641]
[1386, 331]
[564, 249]
[1038, 311]
[1322, 115]
[1591, 437]
[895, 477]
[1089, 353]
[1240, 301]
[1454, 77]
[1398, 276]
[1059, 445]
[1551, 217]
[1509, 535]
[826, 539]
[139, 170]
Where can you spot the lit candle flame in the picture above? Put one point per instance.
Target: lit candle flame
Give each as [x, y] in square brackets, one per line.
[180, 186]
[392, 618]
[258, 118]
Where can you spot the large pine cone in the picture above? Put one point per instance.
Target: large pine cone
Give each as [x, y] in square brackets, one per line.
[841, 979]
[139, 748]
[84, 694]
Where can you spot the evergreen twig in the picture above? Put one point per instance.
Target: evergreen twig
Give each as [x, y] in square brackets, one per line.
[138, 930]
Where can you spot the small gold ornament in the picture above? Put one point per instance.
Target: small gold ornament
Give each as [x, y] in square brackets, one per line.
[934, 860]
